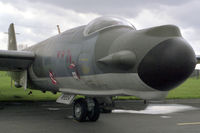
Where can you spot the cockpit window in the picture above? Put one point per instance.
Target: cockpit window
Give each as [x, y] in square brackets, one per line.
[102, 23]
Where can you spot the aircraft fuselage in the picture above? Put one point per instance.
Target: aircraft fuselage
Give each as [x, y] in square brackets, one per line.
[71, 61]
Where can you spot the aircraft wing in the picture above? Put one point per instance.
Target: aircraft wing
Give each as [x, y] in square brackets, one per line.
[12, 60]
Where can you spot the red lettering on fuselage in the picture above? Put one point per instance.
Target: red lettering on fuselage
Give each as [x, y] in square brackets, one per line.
[63, 54]
[58, 54]
[69, 57]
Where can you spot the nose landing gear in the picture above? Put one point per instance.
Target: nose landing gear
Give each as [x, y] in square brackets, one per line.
[86, 109]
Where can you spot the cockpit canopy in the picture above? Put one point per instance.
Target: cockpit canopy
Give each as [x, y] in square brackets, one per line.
[103, 23]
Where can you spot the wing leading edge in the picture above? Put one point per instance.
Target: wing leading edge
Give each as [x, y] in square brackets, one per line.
[11, 60]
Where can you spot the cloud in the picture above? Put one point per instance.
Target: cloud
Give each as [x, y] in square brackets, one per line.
[37, 24]
[107, 7]
[38, 19]
[186, 13]
[122, 7]
[192, 36]
[3, 40]
[149, 18]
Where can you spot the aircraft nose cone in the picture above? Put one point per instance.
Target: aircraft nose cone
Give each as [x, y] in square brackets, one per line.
[168, 64]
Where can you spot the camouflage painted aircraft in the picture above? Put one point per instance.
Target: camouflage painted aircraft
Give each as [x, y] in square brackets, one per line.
[105, 58]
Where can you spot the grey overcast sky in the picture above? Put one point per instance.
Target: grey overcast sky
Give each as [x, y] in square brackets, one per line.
[36, 20]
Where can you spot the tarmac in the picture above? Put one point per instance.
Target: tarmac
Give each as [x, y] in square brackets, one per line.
[171, 116]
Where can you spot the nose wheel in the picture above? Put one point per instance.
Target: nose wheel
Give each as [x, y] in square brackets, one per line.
[80, 110]
[86, 109]
[93, 110]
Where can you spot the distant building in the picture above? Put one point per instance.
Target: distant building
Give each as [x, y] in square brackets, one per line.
[195, 73]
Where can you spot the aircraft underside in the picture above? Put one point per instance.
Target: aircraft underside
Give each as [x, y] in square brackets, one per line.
[102, 85]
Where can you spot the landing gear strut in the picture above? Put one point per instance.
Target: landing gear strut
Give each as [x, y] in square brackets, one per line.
[86, 109]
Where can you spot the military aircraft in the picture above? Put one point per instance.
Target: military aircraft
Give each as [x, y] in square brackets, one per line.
[105, 58]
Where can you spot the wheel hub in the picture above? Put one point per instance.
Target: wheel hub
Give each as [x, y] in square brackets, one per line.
[78, 110]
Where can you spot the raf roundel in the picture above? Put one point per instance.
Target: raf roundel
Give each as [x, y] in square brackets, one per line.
[53, 80]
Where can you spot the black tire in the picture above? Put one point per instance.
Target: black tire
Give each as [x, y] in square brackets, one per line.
[94, 114]
[80, 110]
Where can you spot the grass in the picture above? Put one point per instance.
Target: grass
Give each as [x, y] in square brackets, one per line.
[189, 89]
